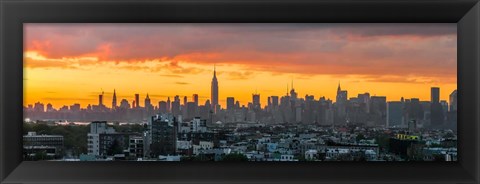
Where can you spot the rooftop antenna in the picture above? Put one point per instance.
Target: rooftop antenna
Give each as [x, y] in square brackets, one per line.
[287, 89]
[214, 70]
[292, 83]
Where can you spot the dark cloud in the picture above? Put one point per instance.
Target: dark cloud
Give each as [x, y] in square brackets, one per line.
[147, 41]
[422, 30]
[308, 49]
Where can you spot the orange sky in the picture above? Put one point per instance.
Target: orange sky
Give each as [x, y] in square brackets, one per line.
[73, 63]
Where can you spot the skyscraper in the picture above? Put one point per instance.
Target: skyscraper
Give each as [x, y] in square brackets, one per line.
[75, 107]
[435, 95]
[183, 108]
[444, 105]
[162, 107]
[452, 111]
[39, 107]
[436, 113]
[365, 99]
[148, 103]
[214, 91]
[195, 99]
[50, 107]
[413, 110]
[168, 104]
[274, 101]
[256, 101]
[176, 106]
[453, 101]
[114, 100]
[379, 110]
[190, 110]
[124, 104]
[230, 103]
[100, 99]
[394, 113]
[137, 100]
[293, 94]
[341, 106]
[342, 95]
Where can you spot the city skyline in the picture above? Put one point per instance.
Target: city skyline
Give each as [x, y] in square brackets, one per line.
[74, 63]
[136, 101]
[223, 101]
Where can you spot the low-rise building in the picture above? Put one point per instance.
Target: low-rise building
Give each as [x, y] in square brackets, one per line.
[136, 146]
[51, 145]
[93, 137]
[311, 155]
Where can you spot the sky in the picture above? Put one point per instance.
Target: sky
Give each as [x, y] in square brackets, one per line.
[73, 63]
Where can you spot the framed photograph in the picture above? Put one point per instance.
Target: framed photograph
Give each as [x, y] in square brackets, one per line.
[240, 92]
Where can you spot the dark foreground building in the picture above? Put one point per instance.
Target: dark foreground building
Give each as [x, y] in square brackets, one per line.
[163, 136]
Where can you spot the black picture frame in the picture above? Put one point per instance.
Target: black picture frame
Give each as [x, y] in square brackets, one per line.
[466, 13]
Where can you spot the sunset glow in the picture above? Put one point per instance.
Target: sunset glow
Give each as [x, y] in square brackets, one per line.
[73, 63]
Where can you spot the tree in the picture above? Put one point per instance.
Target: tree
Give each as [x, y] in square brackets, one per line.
[41, 129]
[322, 156]
[235, 157]
[360, 137]
[438, 158]
[382, 141]
[449, 135]
[27, 127]
[187, 158]
[40, 155]
[360, 157]
[301, 158]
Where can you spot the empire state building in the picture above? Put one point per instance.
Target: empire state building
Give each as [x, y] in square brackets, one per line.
[214, 91]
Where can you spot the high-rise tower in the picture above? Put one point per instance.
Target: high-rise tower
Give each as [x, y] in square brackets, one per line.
[195, 99]
[293, 94]
[340, 106]
[341, 95]
[100, 100]
[435, 95]
[436, 112]
[256, 101]
[453, 101]
[148, 103]
[214, 91]
[137, 100]
[168, 104]
[114, 100]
